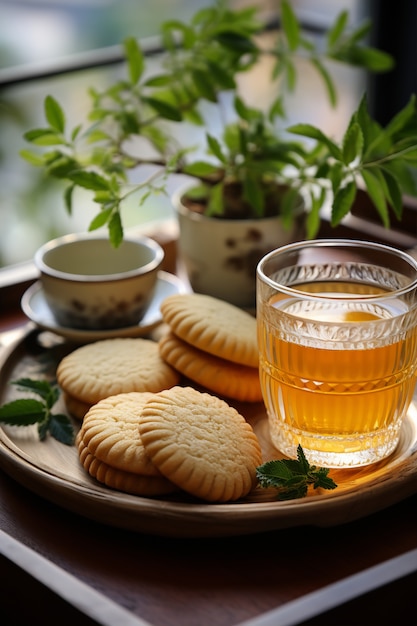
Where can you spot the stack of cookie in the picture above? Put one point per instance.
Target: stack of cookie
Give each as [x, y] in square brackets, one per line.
[213, 344]
[112, 366]
[178, 439]
[111, 450]
[143, 433]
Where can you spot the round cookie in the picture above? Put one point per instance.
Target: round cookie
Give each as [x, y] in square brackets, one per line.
[213, 326]
[120, 480]
[75, 407]
[222, 377]
[110, 432]
[201, 444]
[111, 366]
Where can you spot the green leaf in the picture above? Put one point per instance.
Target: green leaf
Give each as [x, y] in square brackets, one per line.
[352, 143]
[290, 25]
[204, 86]
[129, 123]
[407, 176]
[236, 42]
[393, 192]
[115, 229]
[335, 174]
[63, 167]
[186, 34]
[289, 201]
[164, 109]
[361, 56]
[374, 60]
[342, 203]
[328, 81]
[61, 429]
[313, 219]
[274, 473]
[291, 74]
[54, 114]
[103, 197]
[222, 77]
[161, 80]
[89, 180]
[338, 28]
[97, 135]
[43, 429]
[43, 137]
[201, 169]
[75, 132]
[359, 33]
[277, 109]
[41, 387]
[323, 480]
[68, 198]
[293, 476]
[135, 59]
[302, 460]
[27, 411]
[401, 120]
[376, 194]
[371, 130]
[32, 158]
[215, 204]
[245, 112]
[306, 130]
[22, 412]
[100, 219]
[215, 148]
[253, 194]
[52, 156]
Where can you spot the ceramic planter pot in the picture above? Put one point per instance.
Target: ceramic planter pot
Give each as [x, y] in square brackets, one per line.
[220, 255]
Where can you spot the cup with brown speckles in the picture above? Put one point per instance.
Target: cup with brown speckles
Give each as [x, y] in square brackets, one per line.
[90, 284]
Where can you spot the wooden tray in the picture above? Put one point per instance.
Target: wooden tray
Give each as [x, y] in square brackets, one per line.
[52, 470]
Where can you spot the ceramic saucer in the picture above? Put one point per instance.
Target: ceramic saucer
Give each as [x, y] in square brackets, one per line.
[34, 305]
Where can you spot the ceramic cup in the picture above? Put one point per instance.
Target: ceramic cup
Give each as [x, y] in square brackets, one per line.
[89, 284]
[337, 324]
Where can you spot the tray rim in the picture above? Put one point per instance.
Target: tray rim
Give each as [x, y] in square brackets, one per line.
[156, 515]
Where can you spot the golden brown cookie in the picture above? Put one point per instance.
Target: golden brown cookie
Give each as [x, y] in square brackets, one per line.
[201, 444]
[75, 407]
[213, 326]
[217, 375]
[111, 366]
[110, 431]
[120, 480]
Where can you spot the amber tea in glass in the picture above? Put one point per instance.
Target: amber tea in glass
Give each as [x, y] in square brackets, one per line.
[338, 354]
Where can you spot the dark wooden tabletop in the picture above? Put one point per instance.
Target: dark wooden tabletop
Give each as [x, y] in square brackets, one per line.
[59, 567]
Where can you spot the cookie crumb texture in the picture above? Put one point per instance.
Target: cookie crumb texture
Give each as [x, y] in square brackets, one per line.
[201, 444]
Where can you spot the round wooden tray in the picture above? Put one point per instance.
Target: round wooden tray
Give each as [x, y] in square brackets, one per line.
[52, 470]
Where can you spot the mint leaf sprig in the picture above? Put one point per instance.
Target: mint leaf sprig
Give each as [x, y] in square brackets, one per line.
[292, 477]
[29, 411]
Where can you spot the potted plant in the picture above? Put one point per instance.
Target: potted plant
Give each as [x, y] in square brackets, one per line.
[252, 172]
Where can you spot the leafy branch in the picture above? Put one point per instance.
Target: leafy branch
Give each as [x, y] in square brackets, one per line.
[292, 477]
[382, 159]
[341, 45]
[202, 60]
[29, 411]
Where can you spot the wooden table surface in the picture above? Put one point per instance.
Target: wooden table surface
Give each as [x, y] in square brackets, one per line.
[59, 567]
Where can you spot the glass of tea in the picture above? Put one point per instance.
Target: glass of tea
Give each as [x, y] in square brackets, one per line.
[337, 332]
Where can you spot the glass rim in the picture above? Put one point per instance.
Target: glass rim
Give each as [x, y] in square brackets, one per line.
[334, 243]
